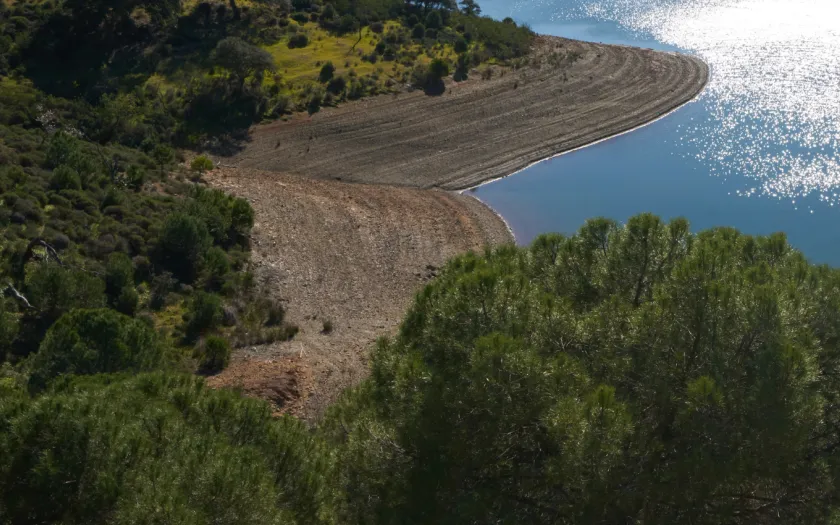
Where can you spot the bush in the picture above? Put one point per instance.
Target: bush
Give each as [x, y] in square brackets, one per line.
[377, 27]
[461, 45]
[201, 164]
[315, 101]
[157, 448]
[119, 274]
[433, 20]
[65, 178]
[9, 327]
[299, 40]
[216, 267]
[438, 69]
[85, 342]
[54, 290]
[418, 31]
[327, 72]
[160, 288]
[204, 315]
[462, 68]
[242, 59]
[181, 246]
[127, 302]
[215, 354]
[274, 314]
[348, 24]
[337, 86]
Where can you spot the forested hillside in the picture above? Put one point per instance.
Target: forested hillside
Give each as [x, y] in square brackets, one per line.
[122, 276]
[627, 374]
[633, 373]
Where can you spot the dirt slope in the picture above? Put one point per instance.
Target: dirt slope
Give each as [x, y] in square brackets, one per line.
[353, 254]
[572, 94]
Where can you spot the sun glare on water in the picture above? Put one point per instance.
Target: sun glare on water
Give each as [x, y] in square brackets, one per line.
[774, 95]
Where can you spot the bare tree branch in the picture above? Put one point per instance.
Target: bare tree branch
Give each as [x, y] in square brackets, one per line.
[11, 290]
[41, 242]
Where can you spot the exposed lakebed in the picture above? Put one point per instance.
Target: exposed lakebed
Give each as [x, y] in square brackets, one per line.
[756, 151]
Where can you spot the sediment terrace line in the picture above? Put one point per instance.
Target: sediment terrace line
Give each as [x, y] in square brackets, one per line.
[482, 129]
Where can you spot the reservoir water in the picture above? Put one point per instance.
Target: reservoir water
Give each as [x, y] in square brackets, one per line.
[758, 150]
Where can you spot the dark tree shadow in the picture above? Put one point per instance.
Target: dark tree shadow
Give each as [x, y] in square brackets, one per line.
[434, 88]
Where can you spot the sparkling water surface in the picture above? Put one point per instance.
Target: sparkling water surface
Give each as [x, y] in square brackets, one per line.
[758, 150]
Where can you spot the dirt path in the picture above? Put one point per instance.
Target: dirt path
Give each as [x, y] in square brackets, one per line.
[573, 93]
[353, 254]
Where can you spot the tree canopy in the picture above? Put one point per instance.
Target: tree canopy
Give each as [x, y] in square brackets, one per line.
[155, 448]
[634, 373]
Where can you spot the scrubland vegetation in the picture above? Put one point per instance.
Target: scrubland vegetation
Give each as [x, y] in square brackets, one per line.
[626, 374]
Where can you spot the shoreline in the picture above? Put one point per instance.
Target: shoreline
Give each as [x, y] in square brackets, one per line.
[572, 94]
[560, 154]
[358, 207]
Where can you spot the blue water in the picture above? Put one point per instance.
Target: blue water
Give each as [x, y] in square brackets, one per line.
[706, 162]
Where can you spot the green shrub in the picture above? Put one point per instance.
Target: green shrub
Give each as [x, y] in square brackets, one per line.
[299, 40]
[9, 327]
[216, 267]
[315, 101]
[161, 285]
[65, 178]
[85, 342]
[54, 290]
[418, 31]
[337, 85]
[438, 69]
[434, 20]
[201, 164]
[215, 354]
[327, 72]
[462, 68]
[204, 315]
[127, 301]
[119, 273]
[181, 246]
[348, 24]
[461, 46]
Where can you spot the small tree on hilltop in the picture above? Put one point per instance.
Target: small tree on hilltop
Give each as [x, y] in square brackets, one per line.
[470, 7]
[433, 20]
[242, 59]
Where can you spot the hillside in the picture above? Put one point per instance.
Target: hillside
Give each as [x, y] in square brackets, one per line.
[346, 256]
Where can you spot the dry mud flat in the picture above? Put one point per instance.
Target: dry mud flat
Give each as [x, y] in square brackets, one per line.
[573, 93]
[353, 254]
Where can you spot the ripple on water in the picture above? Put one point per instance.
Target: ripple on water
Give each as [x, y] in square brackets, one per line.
[774, 94]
